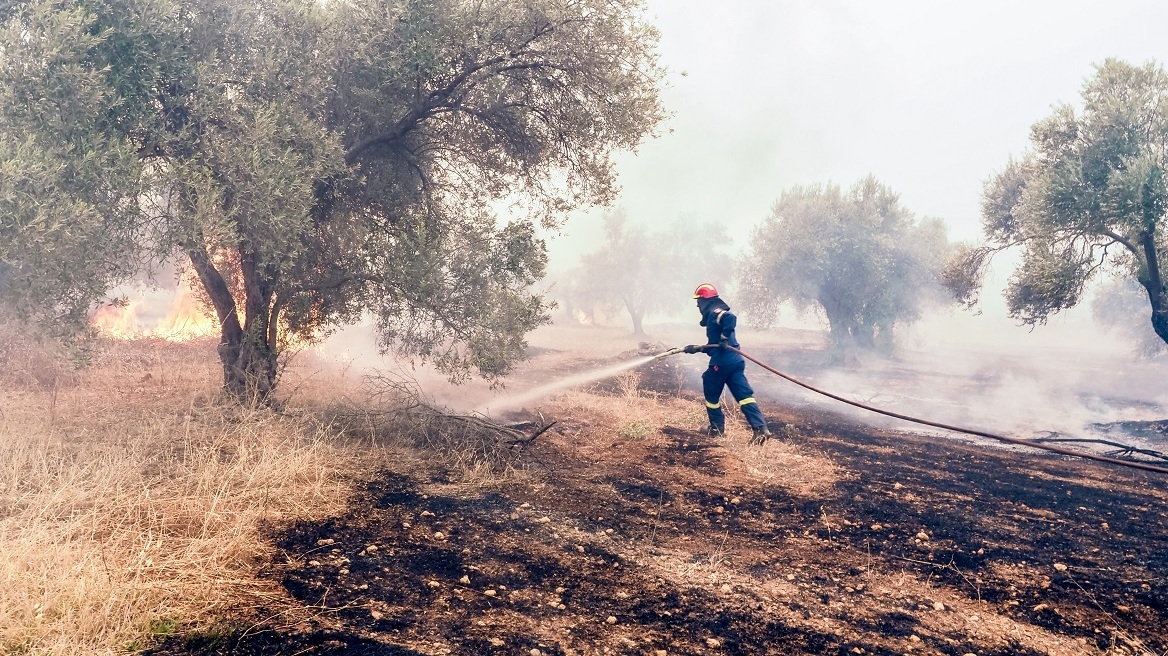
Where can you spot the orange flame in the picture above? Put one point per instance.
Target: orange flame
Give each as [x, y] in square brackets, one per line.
[185, 320]
[118, 321]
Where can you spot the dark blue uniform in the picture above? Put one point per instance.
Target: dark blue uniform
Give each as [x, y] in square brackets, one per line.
[727, 369]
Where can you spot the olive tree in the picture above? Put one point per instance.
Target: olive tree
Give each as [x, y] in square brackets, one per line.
[1089, 198]
[643, 271]
[314, 161]
[860, 258]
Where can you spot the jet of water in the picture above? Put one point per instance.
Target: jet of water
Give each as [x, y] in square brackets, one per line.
[518, 400]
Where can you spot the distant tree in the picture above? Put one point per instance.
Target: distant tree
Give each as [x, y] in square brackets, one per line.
[643, 272]
[860, 258]
[314, 161]
[1119, 305]
[1090, 198]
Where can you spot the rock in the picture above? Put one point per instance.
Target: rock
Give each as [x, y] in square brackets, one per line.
[544, 520]
[713, 643]
[465, 580]
[938, 605]
[610, 620]
[660, 652]
[1105, 526]
[790, 577]
[363, 586]
[314, 563]
[735, 501]
[725, 587]
[560, 607]
[427, 513]
[495, 642]
[580, 548]
[896, 486]
[344, 571]
[1060, 567]
[439, 535]
[608, 531]
[434, 584]
[535, 652]
[719, 510]
[922, 536]
[490, 593]
[525, 505]
[1040, 607]
[514, 515]
[1121, 608]
[877, 527]
[914, 638]
[324, 541]
[375, 615]
[974, 618]
[371, 549]
[406, 524]
[561, 590]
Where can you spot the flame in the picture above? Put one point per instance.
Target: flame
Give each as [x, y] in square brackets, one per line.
[118, 321]
[184, 320]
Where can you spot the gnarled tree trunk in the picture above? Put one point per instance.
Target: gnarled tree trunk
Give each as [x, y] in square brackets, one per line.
[248, 351]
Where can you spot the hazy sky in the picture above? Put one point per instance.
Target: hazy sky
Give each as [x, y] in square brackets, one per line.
[931, 97]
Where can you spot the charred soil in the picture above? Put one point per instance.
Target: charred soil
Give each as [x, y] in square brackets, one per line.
[842, 539]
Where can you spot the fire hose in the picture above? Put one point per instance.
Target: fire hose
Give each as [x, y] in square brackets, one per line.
[969, 431]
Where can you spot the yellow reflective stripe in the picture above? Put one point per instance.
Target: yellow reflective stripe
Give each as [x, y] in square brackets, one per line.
[713, 406]
[749, 399]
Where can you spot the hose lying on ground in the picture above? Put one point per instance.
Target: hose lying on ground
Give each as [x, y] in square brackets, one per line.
[1002, 438]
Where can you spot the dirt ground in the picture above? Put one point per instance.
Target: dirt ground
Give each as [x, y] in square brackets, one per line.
[630, 532]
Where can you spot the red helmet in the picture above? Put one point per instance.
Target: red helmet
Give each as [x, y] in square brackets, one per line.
[705, 290]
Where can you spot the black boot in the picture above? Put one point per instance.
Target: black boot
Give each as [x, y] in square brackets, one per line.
[761, 435]
[715, 431]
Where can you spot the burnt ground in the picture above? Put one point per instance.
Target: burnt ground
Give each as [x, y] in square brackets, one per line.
[843, 539]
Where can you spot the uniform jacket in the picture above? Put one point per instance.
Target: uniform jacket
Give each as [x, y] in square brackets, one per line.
[720, 323]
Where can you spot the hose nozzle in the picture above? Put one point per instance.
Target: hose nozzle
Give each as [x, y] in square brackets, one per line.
[673, 351]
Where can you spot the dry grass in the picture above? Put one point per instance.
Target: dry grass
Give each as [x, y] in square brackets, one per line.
[132, 504]
[638, 415]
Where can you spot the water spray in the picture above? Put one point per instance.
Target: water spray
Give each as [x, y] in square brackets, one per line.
[507, 403]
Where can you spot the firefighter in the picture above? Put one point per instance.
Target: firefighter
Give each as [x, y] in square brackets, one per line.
[727, 368]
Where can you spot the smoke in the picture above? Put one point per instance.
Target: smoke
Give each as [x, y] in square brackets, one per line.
[988, 374]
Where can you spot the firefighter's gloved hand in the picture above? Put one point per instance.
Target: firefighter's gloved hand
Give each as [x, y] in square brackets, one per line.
[692, 348]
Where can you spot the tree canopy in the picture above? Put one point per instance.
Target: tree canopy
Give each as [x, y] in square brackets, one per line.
[314, 160]
[1089, 198]
[642, 272]
[860, 258]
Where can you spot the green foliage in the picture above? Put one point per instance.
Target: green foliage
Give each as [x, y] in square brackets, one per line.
[314, 160]
[643, 272]
[860, 258]
[1089, 198]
